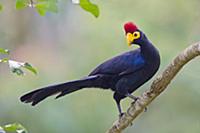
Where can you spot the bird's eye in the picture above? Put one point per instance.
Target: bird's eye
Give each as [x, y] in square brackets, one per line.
[136, 35]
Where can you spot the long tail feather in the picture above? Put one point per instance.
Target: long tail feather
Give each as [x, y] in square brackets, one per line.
[38, 95]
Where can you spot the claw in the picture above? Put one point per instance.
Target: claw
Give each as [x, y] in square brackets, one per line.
[145, 109]
[120, 115]
[131, 124]
[132, 97]
[136, 98]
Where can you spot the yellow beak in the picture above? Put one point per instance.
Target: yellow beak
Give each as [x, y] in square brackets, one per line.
[129, 38]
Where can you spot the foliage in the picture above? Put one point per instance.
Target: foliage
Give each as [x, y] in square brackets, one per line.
[1, 7]
[4, 51]
[44, 6]
[15, 127]
[20, 4]
[16, 67]
[90, 7]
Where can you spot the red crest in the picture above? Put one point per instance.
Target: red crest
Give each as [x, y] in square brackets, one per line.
[130, 27]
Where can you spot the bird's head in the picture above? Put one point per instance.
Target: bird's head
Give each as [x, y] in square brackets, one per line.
[133, 34]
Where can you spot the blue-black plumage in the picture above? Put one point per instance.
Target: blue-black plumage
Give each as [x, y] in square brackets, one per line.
[122, 74]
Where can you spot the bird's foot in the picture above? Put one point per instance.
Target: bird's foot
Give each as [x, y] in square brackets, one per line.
[135, 99]
[120, 115]
[132, 97]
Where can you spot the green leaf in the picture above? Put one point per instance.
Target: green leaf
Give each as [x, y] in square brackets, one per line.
[90, 7]
[41, 8]
[16, 67]
[4, 51]
[30, 68]
[46, 6]
[20, 4]
[1, 7]
[4, 60]
[15, 127]
[18, 71]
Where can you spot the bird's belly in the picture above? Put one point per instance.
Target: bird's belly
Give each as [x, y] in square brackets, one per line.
[138, 79]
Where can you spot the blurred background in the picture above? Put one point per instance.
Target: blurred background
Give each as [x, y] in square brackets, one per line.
[68, 45]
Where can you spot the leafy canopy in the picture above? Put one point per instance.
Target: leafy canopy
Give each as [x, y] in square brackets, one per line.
[44, 6]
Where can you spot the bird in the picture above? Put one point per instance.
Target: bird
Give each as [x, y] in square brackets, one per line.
[122, 74]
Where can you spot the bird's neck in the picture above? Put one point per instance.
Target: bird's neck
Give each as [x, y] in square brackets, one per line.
[148, 50]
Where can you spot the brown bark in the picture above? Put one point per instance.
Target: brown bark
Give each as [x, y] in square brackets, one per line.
[157, 87]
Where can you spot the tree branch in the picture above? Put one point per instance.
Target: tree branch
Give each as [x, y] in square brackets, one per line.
[157, 87]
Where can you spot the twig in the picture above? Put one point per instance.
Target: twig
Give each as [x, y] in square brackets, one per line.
[157, 87]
